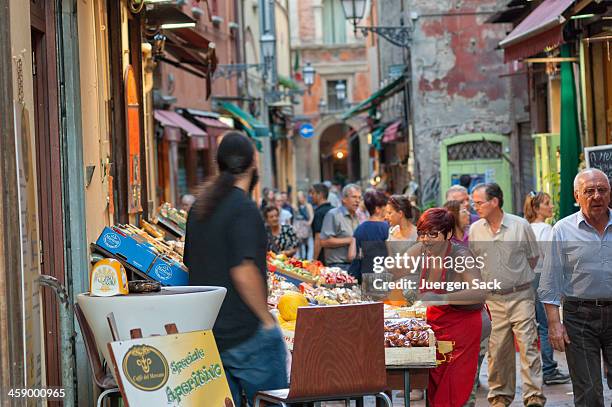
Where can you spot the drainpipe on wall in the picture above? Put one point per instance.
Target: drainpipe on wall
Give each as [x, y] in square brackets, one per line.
[77, 249]
[67, 337]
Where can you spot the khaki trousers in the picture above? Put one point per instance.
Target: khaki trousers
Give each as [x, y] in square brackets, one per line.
[513, 315]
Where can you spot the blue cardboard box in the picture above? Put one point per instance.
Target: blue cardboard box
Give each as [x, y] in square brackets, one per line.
[139, 253]
[168, 272]
[125, 247]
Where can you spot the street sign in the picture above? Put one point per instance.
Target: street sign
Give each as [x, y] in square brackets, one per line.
[599, 157]
[306, 130]
[395, 71]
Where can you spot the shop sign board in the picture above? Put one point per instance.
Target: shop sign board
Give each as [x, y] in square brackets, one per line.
[599, 157]
[182, 369]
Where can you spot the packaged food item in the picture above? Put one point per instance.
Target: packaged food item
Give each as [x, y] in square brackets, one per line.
[108, 278]
[406, 333]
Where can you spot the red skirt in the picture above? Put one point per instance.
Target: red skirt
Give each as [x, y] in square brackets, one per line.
[451, 383]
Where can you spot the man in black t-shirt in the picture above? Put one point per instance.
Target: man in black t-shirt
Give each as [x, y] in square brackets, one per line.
[225, 245]
[319, 194]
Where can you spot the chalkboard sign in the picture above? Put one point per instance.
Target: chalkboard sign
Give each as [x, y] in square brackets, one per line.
[600, 157]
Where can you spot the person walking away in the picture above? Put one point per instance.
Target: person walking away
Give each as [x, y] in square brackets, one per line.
[461, 237]
[510, 250]
[281, 238]
[537, 208]
[225, 245]
[318, 195]
[286, 204]
[267, 198]
[399, 215]
[458, 316]
[302, 224]
[578, 274]
[285, 215]
[460, 193]
[338, 227]
[369, 237]
[334, 195]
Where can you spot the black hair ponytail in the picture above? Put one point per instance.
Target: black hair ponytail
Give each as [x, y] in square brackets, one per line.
[234, 157]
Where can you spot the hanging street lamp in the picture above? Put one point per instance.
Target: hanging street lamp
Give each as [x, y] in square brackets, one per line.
[308, 73]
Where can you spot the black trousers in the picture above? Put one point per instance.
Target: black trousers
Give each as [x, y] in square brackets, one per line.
[589, 328]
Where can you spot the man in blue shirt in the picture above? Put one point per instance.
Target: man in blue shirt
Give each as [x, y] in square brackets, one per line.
[578, 274]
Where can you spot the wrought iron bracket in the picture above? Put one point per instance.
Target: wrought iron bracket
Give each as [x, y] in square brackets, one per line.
[400, 36]
[274, 95]
[229, 70]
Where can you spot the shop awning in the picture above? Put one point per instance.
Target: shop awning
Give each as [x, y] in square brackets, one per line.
[542, 28]
[168, 118]
[189, 50]
[376, 98]
[377, 136]
[392, 132]
[251, 125]
[211, 122]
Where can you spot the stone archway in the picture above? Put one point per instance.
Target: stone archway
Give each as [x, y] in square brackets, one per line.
[308, 151]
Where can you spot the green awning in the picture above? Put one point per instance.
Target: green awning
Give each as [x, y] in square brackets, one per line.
[376, 98]
[253, 127]
[288, 83]
[570, 136]
[377, 136]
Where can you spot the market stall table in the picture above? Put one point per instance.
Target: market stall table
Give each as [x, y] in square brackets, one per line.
[408, 377]
[190, 308]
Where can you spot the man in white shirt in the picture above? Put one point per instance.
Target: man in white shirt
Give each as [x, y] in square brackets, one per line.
[511, 252]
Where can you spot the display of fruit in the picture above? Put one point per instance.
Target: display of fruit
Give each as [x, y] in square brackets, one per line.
[406, 333]
[335, 275]
[333, 296]
[290, 265]
[289, 303]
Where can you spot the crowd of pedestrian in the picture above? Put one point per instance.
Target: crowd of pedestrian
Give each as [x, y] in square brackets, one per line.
[540, 268]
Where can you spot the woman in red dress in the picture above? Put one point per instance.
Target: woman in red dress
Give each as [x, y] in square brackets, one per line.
[455, 310]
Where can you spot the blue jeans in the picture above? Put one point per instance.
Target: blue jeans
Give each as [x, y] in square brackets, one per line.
[259, 363]
[549, 365]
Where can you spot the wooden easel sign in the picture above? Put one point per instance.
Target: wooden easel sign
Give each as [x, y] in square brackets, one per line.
[181, 369]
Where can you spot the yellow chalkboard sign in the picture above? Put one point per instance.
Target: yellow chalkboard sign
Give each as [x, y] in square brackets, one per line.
[182, 369]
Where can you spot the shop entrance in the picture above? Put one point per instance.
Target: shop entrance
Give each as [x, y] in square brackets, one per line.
[339, 158]
[472, 159]
[48, 174]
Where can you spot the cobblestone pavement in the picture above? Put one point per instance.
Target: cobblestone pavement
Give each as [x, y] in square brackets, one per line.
[558, 395]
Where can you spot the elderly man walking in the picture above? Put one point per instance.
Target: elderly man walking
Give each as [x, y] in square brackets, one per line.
[578, 274]
[511, 251]
[338, 227]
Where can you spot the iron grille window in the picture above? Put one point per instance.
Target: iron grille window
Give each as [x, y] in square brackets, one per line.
[475, 150]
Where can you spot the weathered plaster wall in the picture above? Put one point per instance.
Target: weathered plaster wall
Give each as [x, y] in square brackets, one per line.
[458, 82]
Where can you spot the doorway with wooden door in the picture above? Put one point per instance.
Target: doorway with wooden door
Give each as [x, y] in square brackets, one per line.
[49, 175]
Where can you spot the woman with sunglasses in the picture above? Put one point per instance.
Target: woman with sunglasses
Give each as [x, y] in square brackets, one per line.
[455, 313]
[537, 208]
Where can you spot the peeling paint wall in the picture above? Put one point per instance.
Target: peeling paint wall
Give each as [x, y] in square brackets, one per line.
[459, 82]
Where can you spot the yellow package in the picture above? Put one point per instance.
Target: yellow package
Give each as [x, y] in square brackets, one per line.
[108, 278]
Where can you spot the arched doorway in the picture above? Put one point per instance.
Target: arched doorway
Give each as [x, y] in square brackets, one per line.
[340, 159]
